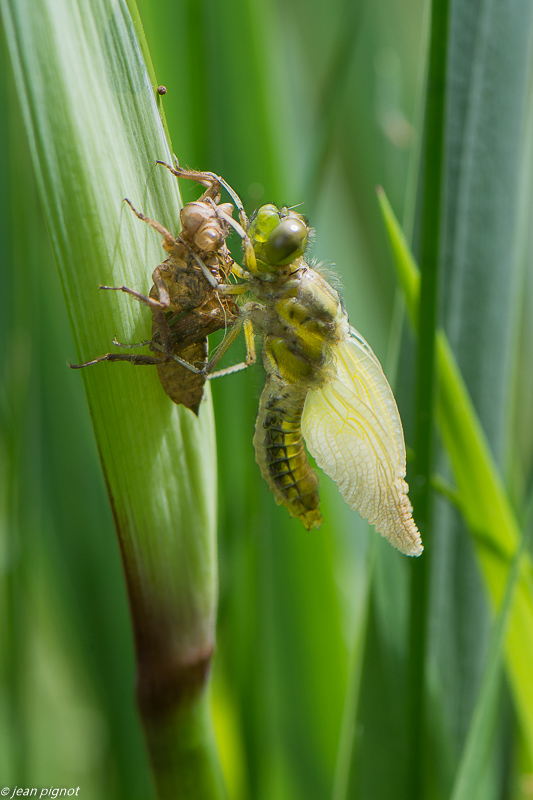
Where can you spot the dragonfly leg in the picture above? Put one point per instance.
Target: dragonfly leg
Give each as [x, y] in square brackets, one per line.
[142, 298]
[208, 179]
[169, 241]
[158, 307]
[239, 271]
[248, 250]
[243, 321]
[212, 281]
[134, 344]
[140, 360]
[164, 297]
[251, 356]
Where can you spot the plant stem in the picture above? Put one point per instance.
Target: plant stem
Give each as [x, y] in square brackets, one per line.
[182, 751]
[431, 191]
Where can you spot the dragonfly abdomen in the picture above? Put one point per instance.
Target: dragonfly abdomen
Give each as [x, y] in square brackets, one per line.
[280, 452]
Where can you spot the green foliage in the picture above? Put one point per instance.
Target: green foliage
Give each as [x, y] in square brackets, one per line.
[291, 102]
[481, 498]
[95, 133]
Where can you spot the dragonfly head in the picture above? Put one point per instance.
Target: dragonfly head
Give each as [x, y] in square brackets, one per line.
[278, 236]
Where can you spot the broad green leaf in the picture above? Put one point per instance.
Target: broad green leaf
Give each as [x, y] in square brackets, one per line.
[95, 132]
[488, 80]
[487, 83]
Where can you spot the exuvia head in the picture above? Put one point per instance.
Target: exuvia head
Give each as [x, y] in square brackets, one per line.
[278, 236]
[202, 228]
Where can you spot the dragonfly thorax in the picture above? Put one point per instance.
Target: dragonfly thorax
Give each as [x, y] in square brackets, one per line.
[301, 318]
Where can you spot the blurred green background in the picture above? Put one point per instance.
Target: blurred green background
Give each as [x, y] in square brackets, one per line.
[292, 102]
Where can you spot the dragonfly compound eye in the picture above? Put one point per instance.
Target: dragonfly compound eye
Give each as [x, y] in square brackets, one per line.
[286, 242]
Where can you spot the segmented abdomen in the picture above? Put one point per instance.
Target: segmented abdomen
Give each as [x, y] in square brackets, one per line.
[280, 453]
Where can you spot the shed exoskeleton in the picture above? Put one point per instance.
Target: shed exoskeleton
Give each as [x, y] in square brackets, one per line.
[186, 300]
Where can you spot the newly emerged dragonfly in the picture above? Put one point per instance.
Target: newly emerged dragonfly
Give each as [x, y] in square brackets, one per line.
[323, 382]
[186, 299]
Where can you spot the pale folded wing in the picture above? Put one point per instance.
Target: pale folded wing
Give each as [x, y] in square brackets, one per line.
[353, 430]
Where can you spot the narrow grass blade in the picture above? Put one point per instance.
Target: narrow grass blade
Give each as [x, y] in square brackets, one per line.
[431, 180]
[483, 499]
[480, 733]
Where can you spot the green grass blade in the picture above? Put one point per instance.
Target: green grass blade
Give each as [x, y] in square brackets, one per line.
[95, 133]
[431, 236]
[432, 172]
[488, 73]
[483, 499]
[349, 734]
[480, 733]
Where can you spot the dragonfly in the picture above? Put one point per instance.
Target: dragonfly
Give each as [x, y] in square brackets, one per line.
[325, 388]
[186, 298]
